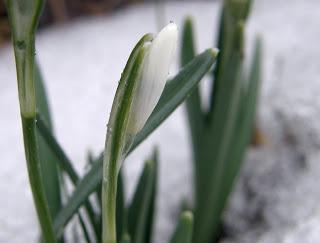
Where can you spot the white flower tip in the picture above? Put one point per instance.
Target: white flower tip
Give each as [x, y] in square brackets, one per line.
[159, 55]
[169, 32]
[171, 27]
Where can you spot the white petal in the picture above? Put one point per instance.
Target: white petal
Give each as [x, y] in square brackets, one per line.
[154, 75]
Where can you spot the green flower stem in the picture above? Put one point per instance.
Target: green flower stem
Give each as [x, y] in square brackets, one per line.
[23, 31]
[24, 57]
[33, 165]
[109, 195]
[118, 141]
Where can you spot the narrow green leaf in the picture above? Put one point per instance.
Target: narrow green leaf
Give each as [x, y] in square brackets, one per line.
[183, 232]
[126, 238]
[49, 168]
[91, 160]
[222, 43]
[194, 110]
[142, 203]
[215, 147]
[173, 95]
[41, 98]
[221, 118]
[121, 211]
[35, 179]
[239, 9]
[151, 212]
[188, 47]
[240, 137]
[84, 228]
[60, 157]
[84, 188]
[233, 14]
[244, 127]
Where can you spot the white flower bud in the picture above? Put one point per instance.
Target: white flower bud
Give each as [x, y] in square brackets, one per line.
[154, 74]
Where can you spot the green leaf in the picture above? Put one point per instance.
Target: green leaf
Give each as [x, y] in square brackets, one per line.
[126, 238]
[215, 146]
[84, 188]
[84, 228]
[49, 168]
[151, 213]
[239, 9]
[41, 98]
[59, 157]
[121, 211]
[183, 232]
[173, 95]
[141, 210]
[240, 137]
[194, 110]
[188, 47]
[91, 160]
[229, 41]
[245, 120]
[217, 143]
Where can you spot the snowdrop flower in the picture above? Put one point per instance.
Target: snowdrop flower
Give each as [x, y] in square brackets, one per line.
[155, 70]
[139, 90]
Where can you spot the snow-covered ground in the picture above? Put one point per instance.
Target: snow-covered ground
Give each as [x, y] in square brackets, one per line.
[82, 62]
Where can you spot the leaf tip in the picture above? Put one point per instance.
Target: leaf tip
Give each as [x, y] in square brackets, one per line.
[187, 217]
[188, 21]
[214, 52]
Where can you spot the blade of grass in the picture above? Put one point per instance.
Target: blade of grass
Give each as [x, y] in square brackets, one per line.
[173, 95]
[244, 125]
[193, 103]
[65, 164]
[140, 213]
[49, 168]
[36, 182]
[223, 43]
[84, 228]
[232, 13]
[126, 238]
[61, 158]
[240, 138]
[151, 212]
[216, 142]
[227, 42]
[183, 232]
[121, 211]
